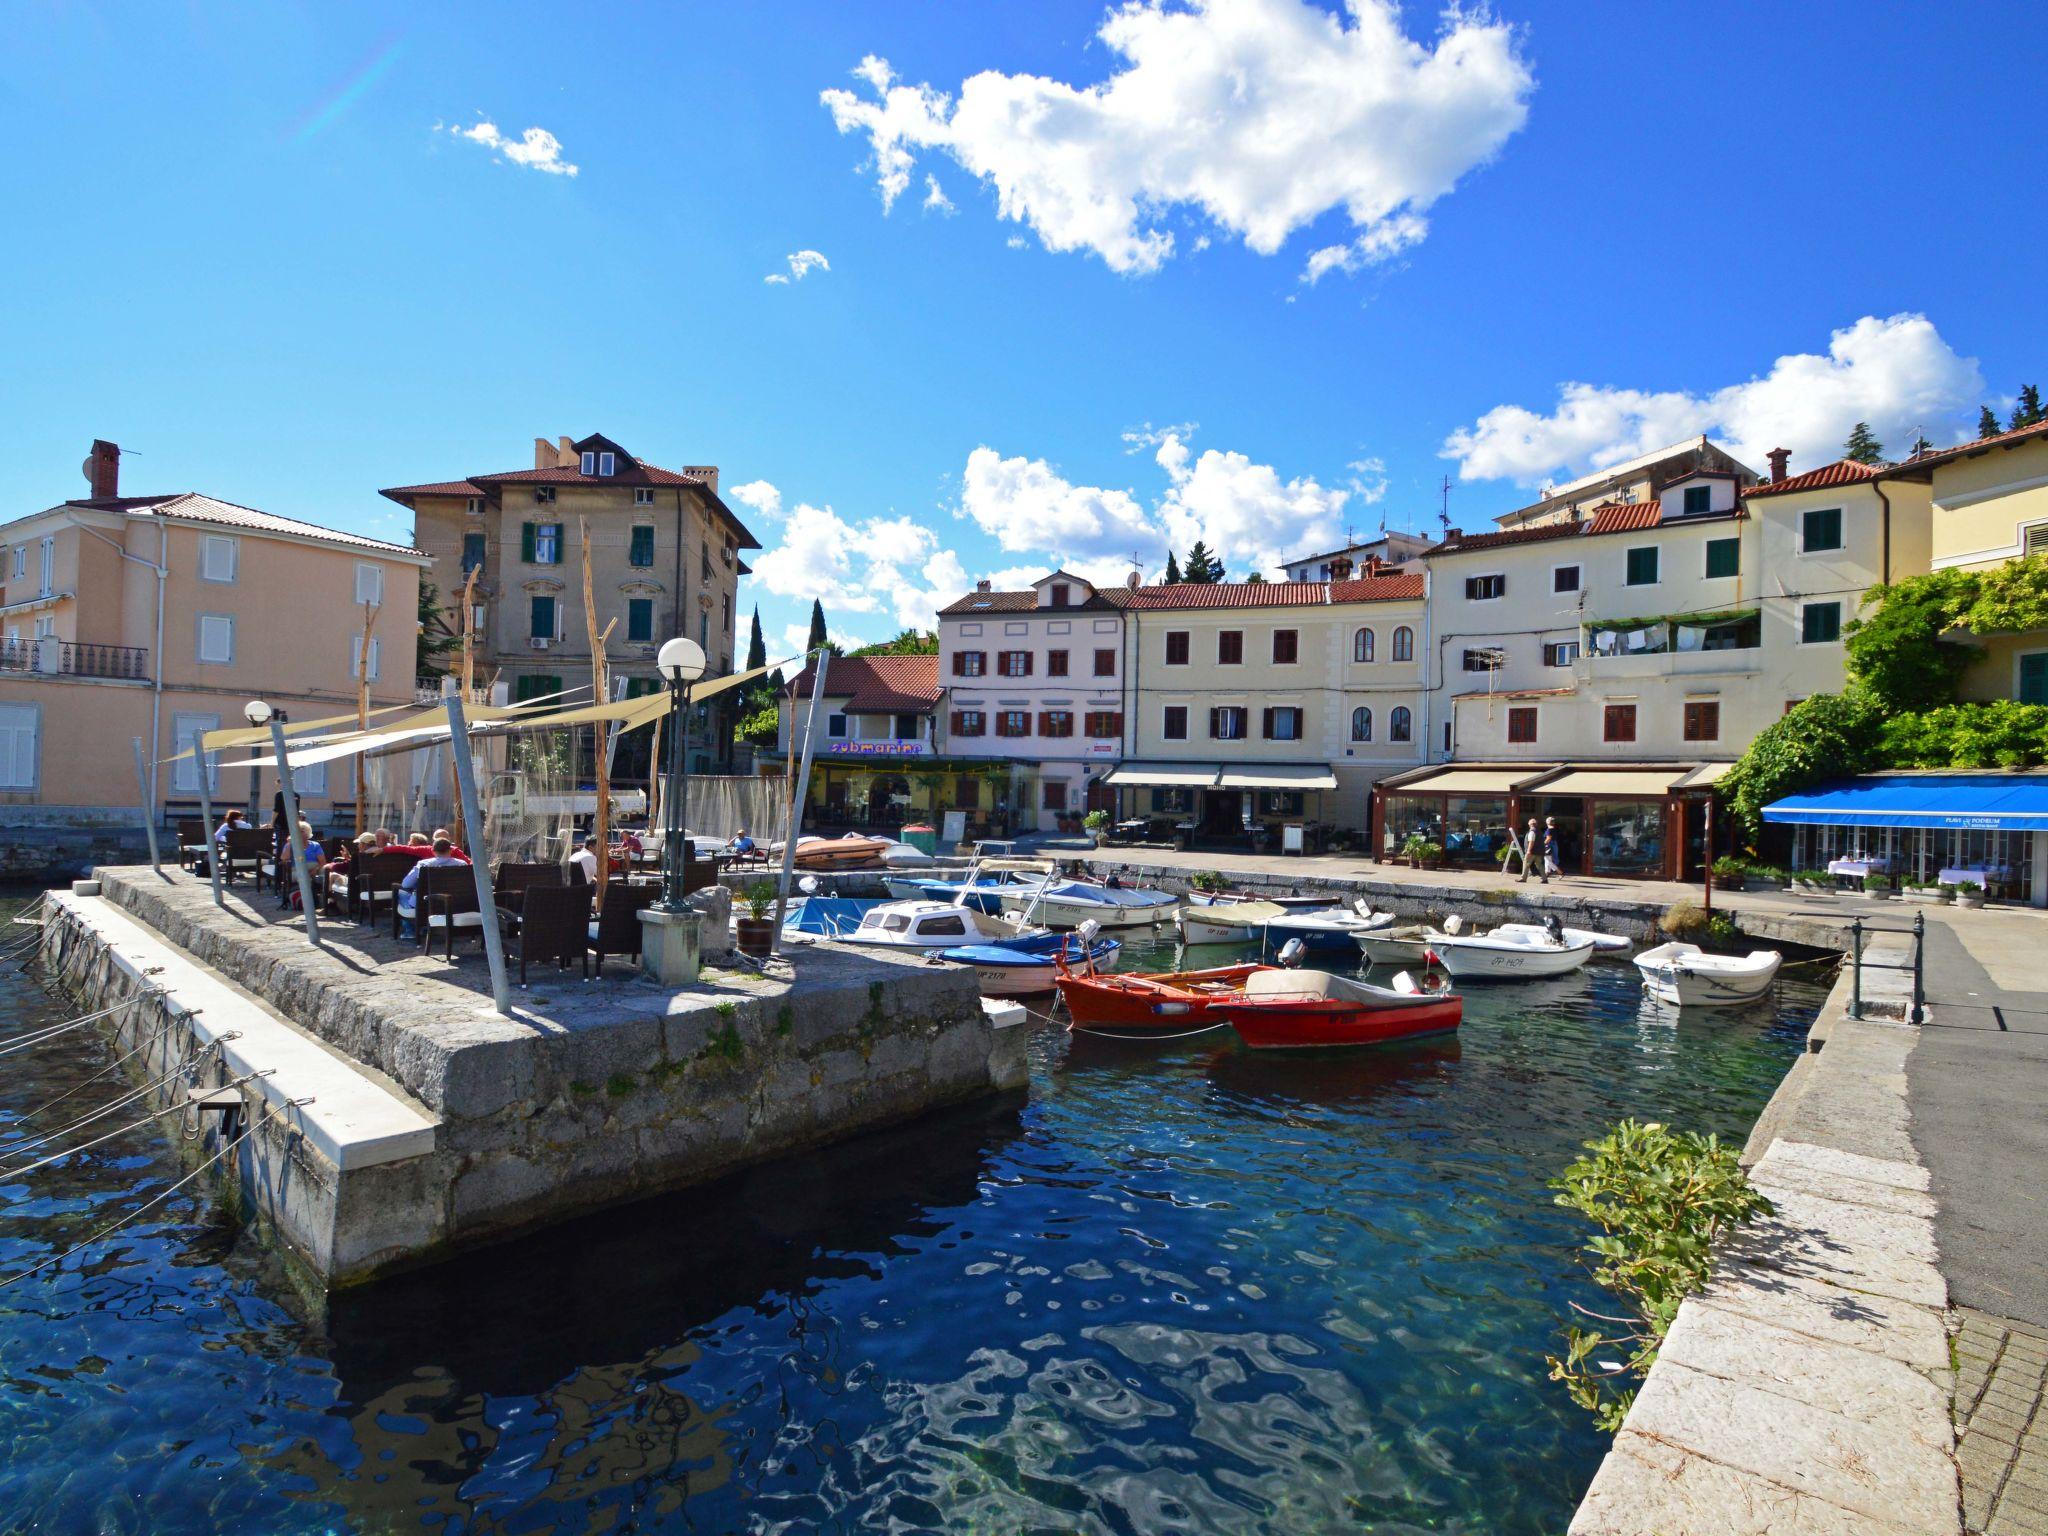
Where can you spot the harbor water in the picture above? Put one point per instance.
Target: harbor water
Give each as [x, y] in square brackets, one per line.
[1177, 1288]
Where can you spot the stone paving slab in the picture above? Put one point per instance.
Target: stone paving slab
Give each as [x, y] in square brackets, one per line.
[2002, 1450]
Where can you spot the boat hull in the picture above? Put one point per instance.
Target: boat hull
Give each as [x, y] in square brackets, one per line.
[1135, 1004]
[1682, 983]
[1323, 1023]
[1507, 962]
[1224, 922]
[1064, 912]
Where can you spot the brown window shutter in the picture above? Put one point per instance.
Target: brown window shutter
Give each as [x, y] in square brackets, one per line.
[1267, 723]
[958, 716]
[959, 664]
[1028, 660]
[1215, 722]
[1116, 722]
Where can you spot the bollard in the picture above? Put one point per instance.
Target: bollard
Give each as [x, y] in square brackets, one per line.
[1856, 969]
[1919, 975]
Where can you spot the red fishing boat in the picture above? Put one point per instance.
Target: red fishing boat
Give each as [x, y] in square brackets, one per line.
[1139, 1003]
[1285, 1010]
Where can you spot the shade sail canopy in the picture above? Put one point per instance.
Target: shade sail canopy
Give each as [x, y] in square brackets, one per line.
[1990, 802]
[1472, 781]
[1279, 776]
[1166, 775]
[1640, 782]
[1705, 776]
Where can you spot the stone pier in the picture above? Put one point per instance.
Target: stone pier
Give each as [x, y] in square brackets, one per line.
[591, 1094]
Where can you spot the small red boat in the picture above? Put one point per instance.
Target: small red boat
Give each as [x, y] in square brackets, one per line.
[1285, 1010]
[1156, 1002]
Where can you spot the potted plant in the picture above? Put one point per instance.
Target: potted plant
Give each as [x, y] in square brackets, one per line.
[1945, 892]
[1729, 873]
[1969, 894]
[1097, 822]
[1412, 849]
[754, 934]
[1877, 887]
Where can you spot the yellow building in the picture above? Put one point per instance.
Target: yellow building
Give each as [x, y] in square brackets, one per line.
[151, 617]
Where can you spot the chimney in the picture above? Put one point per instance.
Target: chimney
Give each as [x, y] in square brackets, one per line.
[103, 470]
[1779, 458]
[566, 456]
[543, 453]
[982, 585]
[1340, 568]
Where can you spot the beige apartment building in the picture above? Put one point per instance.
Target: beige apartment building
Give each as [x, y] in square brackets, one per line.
[127, 617]
[1641, 479]
[665, 560]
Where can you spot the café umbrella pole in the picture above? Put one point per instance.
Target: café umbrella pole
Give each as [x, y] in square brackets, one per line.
[479, 862]
[213, 848]
[796, 800]
[148, 808]
[291, 822]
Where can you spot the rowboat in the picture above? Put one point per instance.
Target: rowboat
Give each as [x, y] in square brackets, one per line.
[1139, 1004]
[1687, 976]
[1495, 957]
[926, 925]
[1225, 922]
[1412, 943]
[1605, 943]
[1287, 1010]
[1406, 945]
[1070, 903]
[1333, 930]
[1030, 963]
[849, 852]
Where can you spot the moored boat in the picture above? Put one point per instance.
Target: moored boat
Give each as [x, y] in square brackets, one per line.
[1225, 922]
[1495, 957]
[849, 852]
[1332, 930]
[1289, 1010]
[1685, 975]
[1030, 963]
[926, 925]
[1070, 903]
[1605, 943]
[1140, 1003]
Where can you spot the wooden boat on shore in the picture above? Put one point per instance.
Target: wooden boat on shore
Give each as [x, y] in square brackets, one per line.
[849, 852]
[1686, 976]
[1141, 1004]
[1287, 1010]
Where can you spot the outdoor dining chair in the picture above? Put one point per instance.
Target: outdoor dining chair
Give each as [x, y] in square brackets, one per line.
[445, 903]
[616, 929]
[247, 847]
[550, 926]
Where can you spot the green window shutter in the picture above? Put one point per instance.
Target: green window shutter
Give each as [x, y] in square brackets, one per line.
[642, 553]
[1642, 567]
[640, 619]
[541, 616]
[2034, 678]
[1724, 557]
[526, 542]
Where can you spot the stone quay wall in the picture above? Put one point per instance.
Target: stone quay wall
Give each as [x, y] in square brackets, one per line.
[602, 1092]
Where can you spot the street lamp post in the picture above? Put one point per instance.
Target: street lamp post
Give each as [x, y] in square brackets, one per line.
[258, 713]
[680, 663]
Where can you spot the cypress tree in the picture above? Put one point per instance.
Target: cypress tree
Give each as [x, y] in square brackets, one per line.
[1202, 567]
[1172, 577]
[1987, 424]
[2028, 411]
[1863, 446]
[817, 626]
[757, 648]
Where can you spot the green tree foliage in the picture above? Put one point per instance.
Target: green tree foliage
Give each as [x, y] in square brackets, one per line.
[437, 640]
[1256, 578]
[758, 724]
[1201, 566]
[817, 626]
[757, 648]
[2028, 410]
[1661, 1200]
[1920, 445]
[1863, 445]
[911, 642]
[2000, 734]
[1895, 650]
[1987, 423]
[1822, 737]
[1172, 577]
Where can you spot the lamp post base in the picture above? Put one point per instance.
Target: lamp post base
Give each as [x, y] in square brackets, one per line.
[670, 945]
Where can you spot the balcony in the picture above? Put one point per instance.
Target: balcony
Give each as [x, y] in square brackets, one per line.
[51, 657]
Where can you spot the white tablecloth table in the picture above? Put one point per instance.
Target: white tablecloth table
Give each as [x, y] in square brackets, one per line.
[1982, 878]
[1856, 869]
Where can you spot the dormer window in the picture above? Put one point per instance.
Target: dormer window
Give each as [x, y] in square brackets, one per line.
[1698, 499]
[1062, 597]
[589, 462]
[600, 464]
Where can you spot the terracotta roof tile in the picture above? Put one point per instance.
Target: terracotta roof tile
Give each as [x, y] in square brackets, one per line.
[1841, 472]
[1530, 533]
[1104, 600]
[1625, 516]
[1377, 589]
[877, 683]
[1964, 450]
[437, 488]
[1231, 594]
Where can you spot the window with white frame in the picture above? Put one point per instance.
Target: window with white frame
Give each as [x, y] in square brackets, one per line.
[606, 464]
[217, 638]
[185, 729]
[369, 583]
[355, 657]
[220, 557]
[643, 495]
[309, 779]
[590, 462]
[19, 743]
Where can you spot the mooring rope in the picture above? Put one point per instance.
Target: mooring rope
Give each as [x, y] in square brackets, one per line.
[156, 1037]
[149, 1119]
[254, 1126]
[1185, 1034]
[127, 1098]
[38, 1037]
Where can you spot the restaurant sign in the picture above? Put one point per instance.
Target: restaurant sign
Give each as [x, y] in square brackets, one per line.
[876, 749]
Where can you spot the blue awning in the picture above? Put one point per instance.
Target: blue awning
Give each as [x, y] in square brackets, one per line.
[1990, 802]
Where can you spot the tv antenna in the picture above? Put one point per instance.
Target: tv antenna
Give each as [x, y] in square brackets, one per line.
[1444, 513]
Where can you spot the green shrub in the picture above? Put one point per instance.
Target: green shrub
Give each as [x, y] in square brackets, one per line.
[1822, 737]
[1661, 1200]
[1096, 821]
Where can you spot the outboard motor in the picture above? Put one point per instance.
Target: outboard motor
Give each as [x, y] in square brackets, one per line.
[1454, 924]
[808, 885]
[1553, 927]
[1291, 953]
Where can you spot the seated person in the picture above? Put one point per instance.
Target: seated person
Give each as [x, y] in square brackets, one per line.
[585, 859]
[741, 844]
[316, 862]
[443, 832]
[440, 855]
[631, 845]
[235, 821]
[418, 846]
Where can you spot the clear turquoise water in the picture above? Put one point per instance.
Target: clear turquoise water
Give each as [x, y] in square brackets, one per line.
[1177, 1290]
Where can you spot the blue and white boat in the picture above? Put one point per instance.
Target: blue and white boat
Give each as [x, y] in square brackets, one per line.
[1070, 903]
[1334, 930]
[826, 916]
[1028, 963]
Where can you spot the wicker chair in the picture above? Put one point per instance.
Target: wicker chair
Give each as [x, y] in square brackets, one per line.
[444, 901]
[511, 881]
[373, 883]
[247, 848]
[550, 926]
[193, 846]
[616, 928]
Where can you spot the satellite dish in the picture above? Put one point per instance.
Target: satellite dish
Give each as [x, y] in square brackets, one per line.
[1291, 953]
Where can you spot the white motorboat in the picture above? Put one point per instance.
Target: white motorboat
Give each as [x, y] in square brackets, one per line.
[1687, 976]
[1503, 957]
[1406, 945]
[906, 856]
[1070, 903]
[1225, 922]
[1605, 943]
[927, 925]
[1333, 928]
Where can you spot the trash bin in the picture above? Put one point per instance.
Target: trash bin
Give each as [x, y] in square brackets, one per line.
[921, 837]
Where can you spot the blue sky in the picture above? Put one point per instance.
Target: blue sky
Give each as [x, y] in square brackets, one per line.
[270, 251]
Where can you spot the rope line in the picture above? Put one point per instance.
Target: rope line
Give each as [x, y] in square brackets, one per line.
[156, 1037]
[149, 1119]
[111, 1106]
[37, 1037]
[149, 1204]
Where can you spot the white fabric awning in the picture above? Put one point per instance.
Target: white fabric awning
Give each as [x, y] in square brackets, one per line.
[1472, 781]
[1705, 776]
[1165, 775]
[1644, 783]
[1280, 776]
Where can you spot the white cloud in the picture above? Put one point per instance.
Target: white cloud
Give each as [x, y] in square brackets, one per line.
[889, 567]
[760, 495]
[535, 150]
[1897, 374]
[935, 199]
[1368, 479]
[1259, 116]
[1026, 504]
[801, 265]
[1383, 242]
[1244, 511]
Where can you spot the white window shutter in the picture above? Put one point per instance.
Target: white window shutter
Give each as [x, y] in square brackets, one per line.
[369, 584]
[2037, 539]
[18, 746]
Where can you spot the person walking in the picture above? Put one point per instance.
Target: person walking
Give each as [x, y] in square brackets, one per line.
[1531, 848]
[1550, 864]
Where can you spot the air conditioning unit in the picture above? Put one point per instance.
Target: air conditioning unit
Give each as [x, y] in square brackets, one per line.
[540, 642]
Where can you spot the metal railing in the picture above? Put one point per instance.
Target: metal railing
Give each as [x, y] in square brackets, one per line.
[1916, 1012]
[48, 656]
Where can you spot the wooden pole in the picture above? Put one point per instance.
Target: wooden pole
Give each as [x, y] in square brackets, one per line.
[600, 694]
[363, 708]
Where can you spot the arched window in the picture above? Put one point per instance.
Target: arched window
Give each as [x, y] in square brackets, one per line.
[1404, 644]
[1398, 724]
[1361, 646]
[1361, 720]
